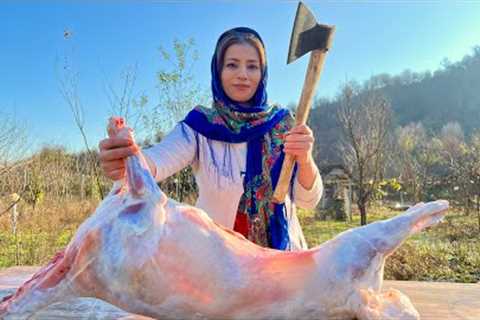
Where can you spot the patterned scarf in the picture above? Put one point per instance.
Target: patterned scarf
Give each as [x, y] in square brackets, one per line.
[262, 127]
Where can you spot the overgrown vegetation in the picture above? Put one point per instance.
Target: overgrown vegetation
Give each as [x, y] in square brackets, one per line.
[41, 231]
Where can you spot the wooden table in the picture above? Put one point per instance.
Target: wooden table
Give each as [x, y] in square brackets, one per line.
[433, 300]
[442, 300]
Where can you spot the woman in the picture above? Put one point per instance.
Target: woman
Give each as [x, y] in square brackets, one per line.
[236, 149]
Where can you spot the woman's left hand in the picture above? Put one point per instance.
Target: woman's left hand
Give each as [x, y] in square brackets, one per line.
[298, 142]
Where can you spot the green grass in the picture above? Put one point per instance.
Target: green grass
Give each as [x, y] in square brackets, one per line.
[449, 251]
[317, 232]
[41, 232]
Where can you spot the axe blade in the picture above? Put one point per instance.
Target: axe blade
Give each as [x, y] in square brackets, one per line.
[308, 35]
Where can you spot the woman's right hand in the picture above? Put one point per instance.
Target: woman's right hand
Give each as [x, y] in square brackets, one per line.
[112, 156]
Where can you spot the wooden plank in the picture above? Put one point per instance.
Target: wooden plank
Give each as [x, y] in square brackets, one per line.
[433, 300]
[441, 300]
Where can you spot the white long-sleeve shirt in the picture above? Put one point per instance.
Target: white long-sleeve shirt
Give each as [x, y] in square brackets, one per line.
[219, 192]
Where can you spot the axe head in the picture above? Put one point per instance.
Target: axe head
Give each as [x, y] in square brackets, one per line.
[308, 35]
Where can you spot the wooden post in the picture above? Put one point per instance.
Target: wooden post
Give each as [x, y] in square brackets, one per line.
[14, 219]
[82, 187]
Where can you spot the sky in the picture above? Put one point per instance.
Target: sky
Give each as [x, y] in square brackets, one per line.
[107, 37]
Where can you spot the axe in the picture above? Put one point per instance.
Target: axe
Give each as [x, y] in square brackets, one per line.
[307, 36]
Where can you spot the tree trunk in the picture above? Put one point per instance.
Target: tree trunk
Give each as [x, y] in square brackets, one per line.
[467, 205]
[363, 212]
[478, 211]
[416, 194]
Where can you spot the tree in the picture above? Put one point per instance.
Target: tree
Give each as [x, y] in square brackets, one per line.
[125, 102]
[13, 147]
[409, 140]
[419, 158]
[463, 163]
[13, 144]
[68, 80]
[474, 164]
[364, 117]
[324, 124]
[178, 93]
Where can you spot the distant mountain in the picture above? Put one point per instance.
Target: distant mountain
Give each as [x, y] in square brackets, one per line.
[449, 94]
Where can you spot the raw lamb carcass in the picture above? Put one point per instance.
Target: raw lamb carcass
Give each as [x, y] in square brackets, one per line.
[153, 256]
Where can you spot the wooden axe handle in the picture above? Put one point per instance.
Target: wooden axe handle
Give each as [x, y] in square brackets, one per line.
[315, 65]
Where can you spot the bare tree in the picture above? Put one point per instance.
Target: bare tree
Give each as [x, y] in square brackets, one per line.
[13, 151]
[364, 116]
[68, 80]
[68, 85]
[125, 101]
[13, 143]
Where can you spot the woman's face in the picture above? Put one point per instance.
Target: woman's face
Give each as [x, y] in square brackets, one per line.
[241, 72]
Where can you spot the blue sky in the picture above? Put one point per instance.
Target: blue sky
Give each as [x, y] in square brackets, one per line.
[108, 36]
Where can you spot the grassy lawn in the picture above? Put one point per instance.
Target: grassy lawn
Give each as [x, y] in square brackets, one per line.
[317, 232]
[449, 251]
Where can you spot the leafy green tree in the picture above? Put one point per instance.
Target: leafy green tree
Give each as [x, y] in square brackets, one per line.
[178, 90]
